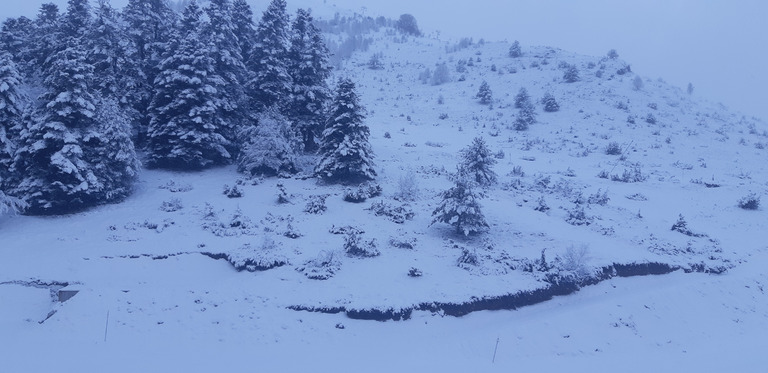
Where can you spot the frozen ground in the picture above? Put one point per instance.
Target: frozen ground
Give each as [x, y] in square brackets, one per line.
[150, 301]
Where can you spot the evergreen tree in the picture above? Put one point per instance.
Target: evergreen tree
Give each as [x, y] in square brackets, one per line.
[270, 83]
[309, 68]
[514, 50]
[11, 103]
[346, 154]
[460, 207]
[60, 156]
[224, 49]
[107, 50]
[571, 74]
[45, 41]
[185, 126]
[76, 22]
[268, 146]
[484, 93]
[149, 25]
[242, 21]
[549, 102]
[522, 99]
[477, 162]
[15, 38]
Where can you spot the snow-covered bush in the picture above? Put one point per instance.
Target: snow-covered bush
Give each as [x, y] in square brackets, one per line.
[571, 74]
[681, 226]
[637, 83]
[171, 205]
[750, 202]
[354, 246]
[577, 216]
[10, 205]
[374, 63]
[282, 195]
[613, 148]
[634, 175]
[415, 272]
[316, 204]
[598, 198]
[407, 187]
[612, 54]
[550, 103]
[522, 99]
[238, 224]
[441, 74]
[322, 267]
[362, 193]
[574, 262]
[468, 258]
[541, 205]
[397, 214]
[251, 258]
[403, 242]
[174, 187]
[233, 191]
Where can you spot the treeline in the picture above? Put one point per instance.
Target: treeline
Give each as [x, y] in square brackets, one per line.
[81, 91]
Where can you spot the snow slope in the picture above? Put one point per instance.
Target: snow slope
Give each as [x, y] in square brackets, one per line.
[150, 300]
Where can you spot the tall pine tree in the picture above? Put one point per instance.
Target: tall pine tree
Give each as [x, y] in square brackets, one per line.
[460, 207]
[45, 41]
[346, 155]
[224, 49]
[11, 104]
[242, 21]
[477, 162]
[269, 82]
[185, 131]
[309, 68]
[149, 25]
[107, 47]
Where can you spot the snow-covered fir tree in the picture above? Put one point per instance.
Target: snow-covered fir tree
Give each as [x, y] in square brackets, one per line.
[45, 41]
[148, 26]
[11, 106]
[477, 163]
[224, 48]
[269, 83]
[185, 130]
[15, 38]
[76, 22]
[514, 50]
[550, 103]
[268, 146]
[484, 94]
[309, 68]
[107, 47]
[346, 155]
[522, 99]
[62, 152]
[460, 206]
[244, 28]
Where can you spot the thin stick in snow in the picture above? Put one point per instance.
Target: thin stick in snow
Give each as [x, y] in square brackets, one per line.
[495, 349]
[106, 327]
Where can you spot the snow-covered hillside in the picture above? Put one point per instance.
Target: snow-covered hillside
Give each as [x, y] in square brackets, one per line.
[158, 288]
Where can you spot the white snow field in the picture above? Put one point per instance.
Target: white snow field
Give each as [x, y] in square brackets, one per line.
[152, 296]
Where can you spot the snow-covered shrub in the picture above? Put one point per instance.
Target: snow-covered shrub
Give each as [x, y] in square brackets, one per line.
[550, 103]
[681, 226]
[467, 259]
[612, 54]
[637, 83]
[322, 267]
[541, 205]
[282, 225]
[171, 205]
[397, 214]
[598, 198]
[282, 195]
[650, 119]
[577, 216]
[374, 63]
[238, 224]
[403, 243]
[10, 205]
[347, 229]
[354, 246]
[233, 191]
[415, 272]
[525, 117]
[634, 175]
[750, 202]
[514, 50]
[574, 262]
[316, 204]
[174, 187]
[407, 187]
[624, 70]
[571, 74]
[362, 193]
[613, 148]
[522, 99]
[250, 258]
[441, 74]
[425, 76]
